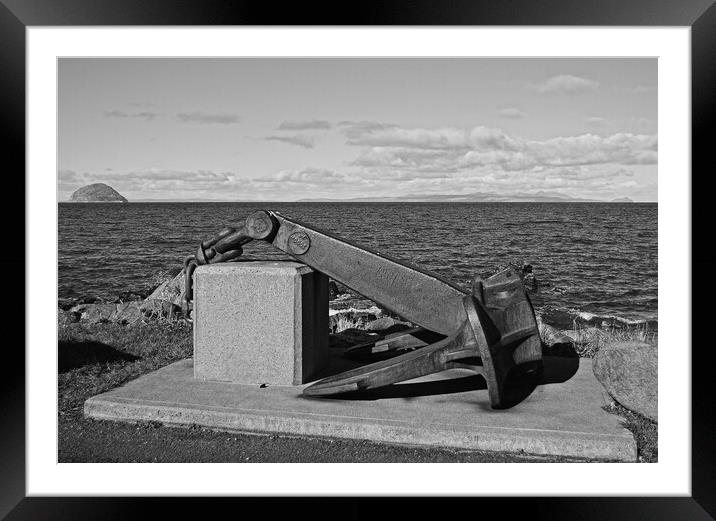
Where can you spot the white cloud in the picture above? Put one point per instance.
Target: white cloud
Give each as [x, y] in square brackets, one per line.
[485, 138]
[441, 138]
[453, 148]
[453, 160]
[303, 176]
[565, 84]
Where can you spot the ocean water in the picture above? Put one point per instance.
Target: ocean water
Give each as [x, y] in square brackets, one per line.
[596, 262]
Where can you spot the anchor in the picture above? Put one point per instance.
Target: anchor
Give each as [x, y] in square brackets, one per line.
[491, 330]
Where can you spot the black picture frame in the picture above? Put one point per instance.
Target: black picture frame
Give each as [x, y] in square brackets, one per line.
[699, 15]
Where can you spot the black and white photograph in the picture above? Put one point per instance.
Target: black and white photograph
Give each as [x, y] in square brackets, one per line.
[357, 259]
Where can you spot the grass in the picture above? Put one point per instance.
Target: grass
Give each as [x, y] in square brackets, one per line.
[644, 430]
[126, 353]
[588, 341]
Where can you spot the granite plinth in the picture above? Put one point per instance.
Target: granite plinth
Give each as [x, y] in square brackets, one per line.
[260, 322]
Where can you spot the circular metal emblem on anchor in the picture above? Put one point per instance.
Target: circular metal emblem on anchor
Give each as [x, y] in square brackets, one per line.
[259, 225]
[298, 243]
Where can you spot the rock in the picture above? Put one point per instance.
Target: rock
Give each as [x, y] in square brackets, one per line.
[171, 290]
[65, 318]
[122, 313]
[128, 296]
[587, 335]
[380, 324]
[523, 269]
[97, 192]
[159, 308]
[349, 319]
[628, 371]
[95, 313]
[128, 313]
[551, 335]
[332, 290]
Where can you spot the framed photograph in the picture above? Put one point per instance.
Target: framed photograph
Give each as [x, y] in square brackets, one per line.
[462, 182]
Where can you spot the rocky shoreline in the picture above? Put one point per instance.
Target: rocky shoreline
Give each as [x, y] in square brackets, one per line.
[347, 309]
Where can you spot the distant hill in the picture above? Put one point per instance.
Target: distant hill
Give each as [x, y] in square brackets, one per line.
[97, 193]
[476, 197]
[622, 200]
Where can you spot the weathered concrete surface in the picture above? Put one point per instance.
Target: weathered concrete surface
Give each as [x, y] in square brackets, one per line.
[260, 322]
[559, 419]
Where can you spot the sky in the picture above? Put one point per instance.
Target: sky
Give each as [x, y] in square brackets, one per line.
[285, 129]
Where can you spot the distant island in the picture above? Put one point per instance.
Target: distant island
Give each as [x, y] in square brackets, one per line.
[97, 193]
[475, 197]
[622, 200]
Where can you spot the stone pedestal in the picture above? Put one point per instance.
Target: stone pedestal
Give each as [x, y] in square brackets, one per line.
[260, 322]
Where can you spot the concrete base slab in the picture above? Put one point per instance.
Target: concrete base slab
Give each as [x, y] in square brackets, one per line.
[562, 417]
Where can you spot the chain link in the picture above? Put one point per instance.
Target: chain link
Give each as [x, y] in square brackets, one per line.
[206, 254]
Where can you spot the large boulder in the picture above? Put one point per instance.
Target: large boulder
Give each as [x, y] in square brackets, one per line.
[65, 318]
[551, 335]
[95, 313]
[159, 309]
[128, 313]
[628, 371]
[122, 313]
[171, 290]
[383, 324]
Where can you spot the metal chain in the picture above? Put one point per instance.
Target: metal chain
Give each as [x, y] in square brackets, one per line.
[224, 247]
[206, 254]
[188, 303]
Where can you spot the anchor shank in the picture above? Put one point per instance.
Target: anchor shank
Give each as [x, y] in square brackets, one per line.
[415, 294]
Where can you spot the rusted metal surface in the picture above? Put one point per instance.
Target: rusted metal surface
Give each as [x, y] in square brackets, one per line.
[491, 329]
[409, 291]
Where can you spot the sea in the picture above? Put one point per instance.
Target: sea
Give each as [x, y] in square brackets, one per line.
[595, 263]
